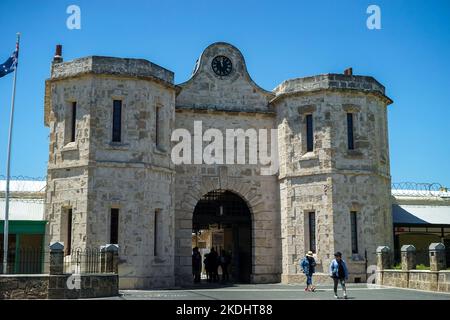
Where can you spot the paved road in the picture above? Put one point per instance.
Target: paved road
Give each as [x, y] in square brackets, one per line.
[279, 291]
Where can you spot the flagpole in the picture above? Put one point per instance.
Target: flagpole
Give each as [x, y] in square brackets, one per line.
[8, 166]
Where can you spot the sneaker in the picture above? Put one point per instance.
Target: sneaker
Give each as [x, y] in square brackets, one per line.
[306, 289]
[336, 297]
[345, 296]
[313, 289]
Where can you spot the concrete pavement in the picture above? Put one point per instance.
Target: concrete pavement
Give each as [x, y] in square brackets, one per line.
[279, 292]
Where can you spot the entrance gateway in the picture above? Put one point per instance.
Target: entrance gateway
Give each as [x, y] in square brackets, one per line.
[111, 178]
[222, 220]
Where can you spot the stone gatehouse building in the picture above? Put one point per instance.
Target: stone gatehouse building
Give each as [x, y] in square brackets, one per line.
[111, 178]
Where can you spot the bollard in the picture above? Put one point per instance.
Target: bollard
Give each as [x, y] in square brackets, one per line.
[383, 258]
[437, 256]
[109, 259]
[408, 252]
[56, 258]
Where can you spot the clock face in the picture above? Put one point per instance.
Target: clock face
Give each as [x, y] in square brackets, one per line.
[221, 65]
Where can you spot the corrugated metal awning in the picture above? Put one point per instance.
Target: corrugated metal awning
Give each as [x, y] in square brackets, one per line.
[417, 214]
[23, 209]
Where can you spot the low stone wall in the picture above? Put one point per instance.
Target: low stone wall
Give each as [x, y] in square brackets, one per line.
[23, 286]
[58, 286]
[415, 279]
[444, 281]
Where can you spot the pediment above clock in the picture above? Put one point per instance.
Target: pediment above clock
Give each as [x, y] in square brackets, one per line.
[220, 80]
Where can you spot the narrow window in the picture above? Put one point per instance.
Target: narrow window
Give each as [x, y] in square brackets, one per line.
[350, 139]
[114, 226]
[309, 133]
[312, 231]
[157, 127]
[354, 229]
[156, 223]
[117, 121]
[73, 122]
[68, 243]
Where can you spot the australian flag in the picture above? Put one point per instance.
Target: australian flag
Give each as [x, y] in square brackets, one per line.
[11, 64]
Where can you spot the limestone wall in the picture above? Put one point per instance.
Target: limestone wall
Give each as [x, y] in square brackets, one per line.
[94, 174]
[55, 287]
[258, 191]
[415, 279]
[332, 180]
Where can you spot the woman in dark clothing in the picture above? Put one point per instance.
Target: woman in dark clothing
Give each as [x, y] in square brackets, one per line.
[339, 273]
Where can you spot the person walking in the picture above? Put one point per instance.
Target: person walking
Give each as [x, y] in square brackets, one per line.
[224, 262]
[207, 263]
[214, 264]
[308, 265]
[196, 264]
[339, 273]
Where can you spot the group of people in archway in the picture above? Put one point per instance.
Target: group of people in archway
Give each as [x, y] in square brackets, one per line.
[212, 262]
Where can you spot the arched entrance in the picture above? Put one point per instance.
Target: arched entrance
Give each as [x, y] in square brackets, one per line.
[222, 220]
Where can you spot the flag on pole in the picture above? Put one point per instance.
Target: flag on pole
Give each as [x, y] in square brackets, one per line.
[11, 64]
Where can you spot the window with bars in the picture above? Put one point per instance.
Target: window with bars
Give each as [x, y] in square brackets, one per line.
[117, 121]
[350, 135]
[73, 121]
[158, 126]
[114, 226]
[68, 247]
[312, 231]
[309, 133]
[156, 231]
[354, 230]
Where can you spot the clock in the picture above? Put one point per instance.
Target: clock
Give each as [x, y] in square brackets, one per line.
[221, 65]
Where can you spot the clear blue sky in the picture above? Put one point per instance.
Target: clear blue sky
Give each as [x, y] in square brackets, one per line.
[279, 39]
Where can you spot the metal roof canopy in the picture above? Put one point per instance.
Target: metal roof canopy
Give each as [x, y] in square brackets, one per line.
[421, 214]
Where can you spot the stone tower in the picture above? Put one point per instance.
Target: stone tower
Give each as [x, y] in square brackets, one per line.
[109, 170]
[334, 171]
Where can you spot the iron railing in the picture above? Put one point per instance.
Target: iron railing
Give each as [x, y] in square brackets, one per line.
[37, 261]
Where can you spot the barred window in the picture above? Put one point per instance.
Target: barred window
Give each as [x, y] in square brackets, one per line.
[309, 133]
[350, 137]
[73, 121]
[354, 230]
[117, 121]
[114, 226]
[312, 231]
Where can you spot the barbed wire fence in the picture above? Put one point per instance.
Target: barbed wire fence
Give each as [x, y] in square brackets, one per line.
[24, 188]
[418, 189]
[22, 184]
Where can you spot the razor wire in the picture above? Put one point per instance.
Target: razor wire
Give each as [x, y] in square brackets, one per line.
[419, 189]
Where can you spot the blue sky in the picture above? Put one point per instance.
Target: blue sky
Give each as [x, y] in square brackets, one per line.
[410, 55]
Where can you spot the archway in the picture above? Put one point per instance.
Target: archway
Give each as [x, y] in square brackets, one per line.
[222, 220]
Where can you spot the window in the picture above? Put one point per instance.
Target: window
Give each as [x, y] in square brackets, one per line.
[117, 121]
[309, 133]
[68, 243]
[350, 138]
[156, 228]
[157, 127]
[312, 231]
[114, 227]
[73, 121]
[354, 230]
